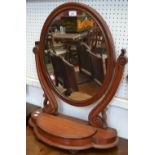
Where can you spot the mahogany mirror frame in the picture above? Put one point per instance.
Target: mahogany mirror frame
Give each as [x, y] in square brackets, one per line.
[109, 46]
[103, 137]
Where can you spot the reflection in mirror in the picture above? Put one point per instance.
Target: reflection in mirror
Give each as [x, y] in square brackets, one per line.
[75, 55]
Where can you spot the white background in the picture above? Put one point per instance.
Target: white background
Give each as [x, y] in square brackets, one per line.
[13, 77]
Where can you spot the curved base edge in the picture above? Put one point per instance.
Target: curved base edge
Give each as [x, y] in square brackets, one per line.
[99, 140]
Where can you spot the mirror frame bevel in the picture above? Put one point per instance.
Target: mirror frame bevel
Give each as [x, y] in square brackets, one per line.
[110, 49]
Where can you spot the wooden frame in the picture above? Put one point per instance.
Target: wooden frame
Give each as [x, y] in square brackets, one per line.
[103, 137]
[109, 44]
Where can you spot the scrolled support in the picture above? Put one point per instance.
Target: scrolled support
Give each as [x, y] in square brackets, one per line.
[93, 117]
[96, 121]
[52, 106]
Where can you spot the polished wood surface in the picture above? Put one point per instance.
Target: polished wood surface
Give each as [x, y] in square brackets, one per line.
[63, 127]
[105, 137]
[70, 133]
[35, 147]
[94, 118]
[42, 71]
[29, 109]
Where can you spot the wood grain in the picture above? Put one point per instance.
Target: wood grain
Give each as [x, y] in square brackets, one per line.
[57, 131]
[42, 70]
[35, 147]
[70, 133]
[64, 128]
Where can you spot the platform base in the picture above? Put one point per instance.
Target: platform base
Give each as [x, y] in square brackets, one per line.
[70, 133]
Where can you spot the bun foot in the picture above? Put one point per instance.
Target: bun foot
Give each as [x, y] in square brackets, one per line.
[73, 152]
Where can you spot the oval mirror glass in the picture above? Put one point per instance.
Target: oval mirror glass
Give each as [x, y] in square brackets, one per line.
[75, 55]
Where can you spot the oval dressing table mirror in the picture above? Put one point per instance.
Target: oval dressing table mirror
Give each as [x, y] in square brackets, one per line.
[75, 60]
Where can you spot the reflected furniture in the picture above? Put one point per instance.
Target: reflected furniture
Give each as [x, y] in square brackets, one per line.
[97, 68]
[64, 37]
[64, 74]
[71, 41]
[85, 65]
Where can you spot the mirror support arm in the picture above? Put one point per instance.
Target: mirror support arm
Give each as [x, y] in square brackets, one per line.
[94, 118]
[51, 106]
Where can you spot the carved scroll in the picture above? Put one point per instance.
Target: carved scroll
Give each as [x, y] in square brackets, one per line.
[94, 118]
[52, 106]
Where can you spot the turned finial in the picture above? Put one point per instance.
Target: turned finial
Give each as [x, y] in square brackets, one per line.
[36, 45]
[123, 51]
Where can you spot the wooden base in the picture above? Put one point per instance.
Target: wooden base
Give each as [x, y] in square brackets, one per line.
[70, 133]
[29, 109]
